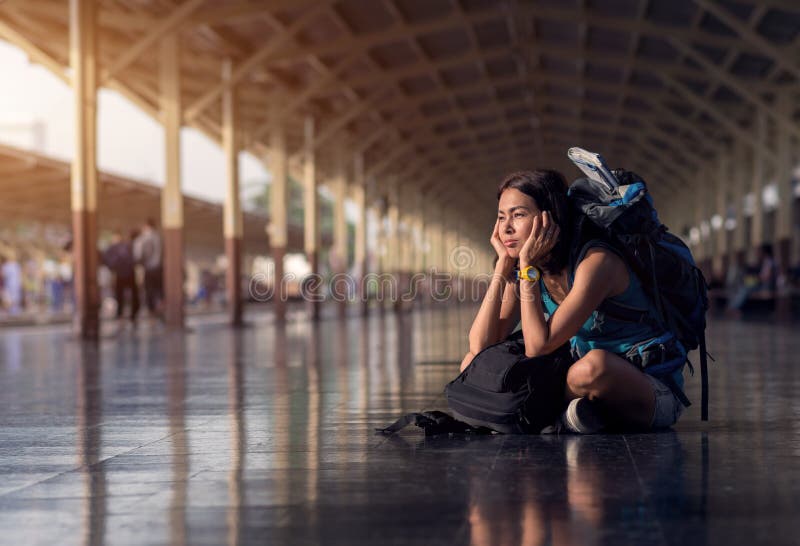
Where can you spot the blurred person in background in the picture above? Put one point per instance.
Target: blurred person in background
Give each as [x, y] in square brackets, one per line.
[761, 278]
[54, 286]
[147, 253]
[12, 283]
[118, 257]
[31, 282]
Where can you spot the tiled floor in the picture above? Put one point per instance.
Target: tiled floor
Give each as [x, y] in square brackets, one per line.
[265, 436]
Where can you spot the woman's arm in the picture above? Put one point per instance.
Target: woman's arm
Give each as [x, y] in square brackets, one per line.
[499, 309]
[596, 278]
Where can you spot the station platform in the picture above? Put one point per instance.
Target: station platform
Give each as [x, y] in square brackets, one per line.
[265, 435]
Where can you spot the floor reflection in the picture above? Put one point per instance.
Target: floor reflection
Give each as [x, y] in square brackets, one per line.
[175, 350]
[89, 411]
[236, 405]
[264, 435]
[566, 491]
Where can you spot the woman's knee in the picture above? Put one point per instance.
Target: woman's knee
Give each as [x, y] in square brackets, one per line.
[588, 373]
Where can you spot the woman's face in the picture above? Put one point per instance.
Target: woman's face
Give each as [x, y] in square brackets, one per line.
[515, 214]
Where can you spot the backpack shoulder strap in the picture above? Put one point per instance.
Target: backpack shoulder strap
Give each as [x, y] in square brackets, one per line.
[610, 308]
[703, 379]
[577, 257]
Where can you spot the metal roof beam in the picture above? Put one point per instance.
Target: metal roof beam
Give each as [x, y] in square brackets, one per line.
[258, 57]
[737, 86]
[161, 29]
[763, 46]
[713, 111]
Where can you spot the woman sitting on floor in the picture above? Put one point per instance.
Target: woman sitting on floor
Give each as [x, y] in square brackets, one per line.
[534, 235]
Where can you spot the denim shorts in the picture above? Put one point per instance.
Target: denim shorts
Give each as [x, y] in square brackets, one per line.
[668, 408]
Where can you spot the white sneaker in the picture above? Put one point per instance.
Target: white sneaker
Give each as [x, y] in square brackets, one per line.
[582, 417]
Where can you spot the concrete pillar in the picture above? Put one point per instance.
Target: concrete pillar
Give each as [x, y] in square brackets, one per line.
[360, 254]
[405, 255]
[279, 205]
[393, 238]
[232, 222]
[381, 235]
[171, 196]
[425, 241]
[757, 180]
[444, 244]
[446, 249]
[721, 256]
[419, 232]
[458, 258]
[708, 204]
[783, 174]
[697, 207]
[83, 55]
[377, 213]
[677, 213]
[428, 219]
[379, 210]
[413, 224]
[447, 254]
[421, 241]
[339, 262]
[740, 184]
[311, 210]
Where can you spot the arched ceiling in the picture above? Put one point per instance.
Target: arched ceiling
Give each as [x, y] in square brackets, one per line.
[442, 92]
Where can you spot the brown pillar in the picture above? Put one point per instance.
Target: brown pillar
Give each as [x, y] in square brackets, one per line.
[739, 179]
[418, 245]
[381, 210]
[339, 249]
[783, 307]
[785, 210]
[406, 245]
[311, 215]
[233, 278]
[171, 196]
[360, 254]
[393, 245]
[279, 204]
[233, 224]
[757, 184]
[83, 49]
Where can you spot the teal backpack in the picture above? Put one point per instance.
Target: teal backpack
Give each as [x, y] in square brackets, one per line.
[624, 211]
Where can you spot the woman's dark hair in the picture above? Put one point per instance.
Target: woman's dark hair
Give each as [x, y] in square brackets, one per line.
[549, 189]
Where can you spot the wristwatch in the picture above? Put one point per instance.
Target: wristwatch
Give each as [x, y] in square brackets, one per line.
[529, 273]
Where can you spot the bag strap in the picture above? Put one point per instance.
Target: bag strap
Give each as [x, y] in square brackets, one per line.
[432, 422]
[669, 381]
[703, 379]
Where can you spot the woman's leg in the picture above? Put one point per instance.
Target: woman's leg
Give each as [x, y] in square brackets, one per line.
[613, 382]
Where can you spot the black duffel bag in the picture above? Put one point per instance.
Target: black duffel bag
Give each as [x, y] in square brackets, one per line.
[506, 391]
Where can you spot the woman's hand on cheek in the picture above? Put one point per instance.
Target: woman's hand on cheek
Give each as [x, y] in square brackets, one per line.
[505, 264]
[526, 253]
[542, 239]
[497, 243]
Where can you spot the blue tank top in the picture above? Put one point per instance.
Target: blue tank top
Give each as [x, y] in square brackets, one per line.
[626, 339]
